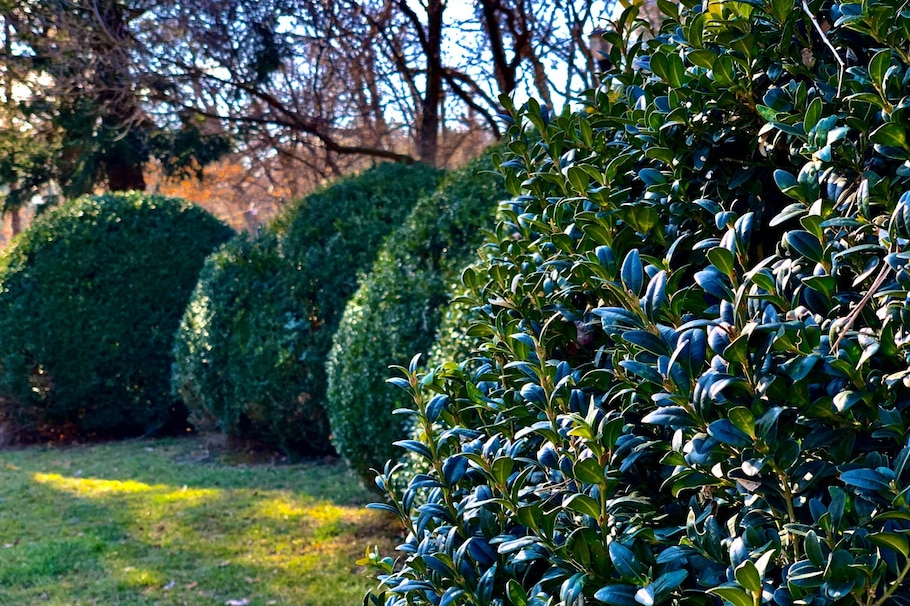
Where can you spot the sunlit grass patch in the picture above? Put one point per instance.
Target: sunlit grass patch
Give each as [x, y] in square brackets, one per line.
[280, 508]
[91, 486]
[147, 523]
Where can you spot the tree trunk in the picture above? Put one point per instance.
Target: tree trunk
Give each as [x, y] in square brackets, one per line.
[122, 119]
[505, 71]
[8, 53]
[124, 176]
[428, 147]
[15, 221]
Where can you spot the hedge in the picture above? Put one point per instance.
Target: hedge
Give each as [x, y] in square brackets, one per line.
[694, 320]
[251, 349]
[90, 296]
[396, 311]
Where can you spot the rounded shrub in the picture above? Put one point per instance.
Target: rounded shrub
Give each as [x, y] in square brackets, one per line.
[90, 296]
[250, 352]
[396, 311]
[694, 315]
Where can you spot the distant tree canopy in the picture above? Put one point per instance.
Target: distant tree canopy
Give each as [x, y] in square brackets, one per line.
[83, 104]
[93, 90]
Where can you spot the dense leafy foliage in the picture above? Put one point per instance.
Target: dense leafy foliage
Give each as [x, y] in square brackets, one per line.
[696, 376]
[396, 311]
[90, 297]
[234, 350]
[251, 348]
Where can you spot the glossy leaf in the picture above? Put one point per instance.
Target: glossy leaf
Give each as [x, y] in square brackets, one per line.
[727, 433]
[632, 272]
[866, 479]
[617, 595]
[625, 562]
[747, 575]
[733, 596]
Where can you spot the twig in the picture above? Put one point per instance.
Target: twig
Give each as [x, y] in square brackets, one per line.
[879, 280]
[894, 586]
[824, 37]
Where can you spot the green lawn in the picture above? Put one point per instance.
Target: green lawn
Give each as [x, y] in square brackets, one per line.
[163, 522]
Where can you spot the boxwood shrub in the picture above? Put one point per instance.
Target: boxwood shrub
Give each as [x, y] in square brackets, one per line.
[90, 296]
[396, 311]
[250, 353]
[695, 319]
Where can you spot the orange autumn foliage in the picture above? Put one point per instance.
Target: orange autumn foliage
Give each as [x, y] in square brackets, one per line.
[228, 191]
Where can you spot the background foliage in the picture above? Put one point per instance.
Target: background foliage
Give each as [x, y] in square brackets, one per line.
[90, 297]
[251, 348]
[396, 311]
[696, 356]
[117, 92]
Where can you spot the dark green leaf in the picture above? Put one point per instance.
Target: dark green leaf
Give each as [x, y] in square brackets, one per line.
[670, 416]
[642, 218]
[732, 595]
[502, 468]
[701, 58]
[804, 575]
[416, 447]
[737, 351]
[589, 471]
[784, 180]
[583, 504]
[814, 550]
[624, 561]
[722, 260]
[669, 581]
[878, 65]
[578, 178]
[726, 432]
[743, 419]
[632, 272]
[805, 244]
[613, 317]
[517, 595]
[645, 371]
[655, 295]
[893, 541]
[747, 575]
[866, 479]
[714, 283]
[617, 595]
[647, 341]
[724, 72]
[890, 134]
[845, 400]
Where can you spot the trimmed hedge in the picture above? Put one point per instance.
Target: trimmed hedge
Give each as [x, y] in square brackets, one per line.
[90, 296]
[396, 311]
[237, 341]
[251, 348]
[697, 379]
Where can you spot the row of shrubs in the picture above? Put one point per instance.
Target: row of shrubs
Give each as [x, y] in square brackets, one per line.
[94, 292]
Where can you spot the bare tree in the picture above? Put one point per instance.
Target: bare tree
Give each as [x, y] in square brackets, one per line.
[349, 77]
[305, 89]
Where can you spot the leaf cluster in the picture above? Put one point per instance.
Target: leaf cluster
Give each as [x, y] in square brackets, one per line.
[696, 377]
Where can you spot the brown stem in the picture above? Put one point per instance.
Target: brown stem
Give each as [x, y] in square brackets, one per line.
[879, 280]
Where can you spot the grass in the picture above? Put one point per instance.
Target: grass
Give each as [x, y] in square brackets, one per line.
[157, 522]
